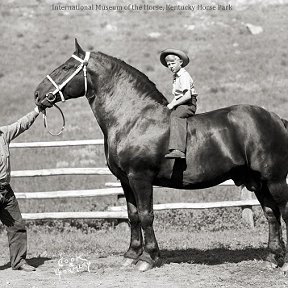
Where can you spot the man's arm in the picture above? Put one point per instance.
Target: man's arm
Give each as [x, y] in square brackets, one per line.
[24, 123]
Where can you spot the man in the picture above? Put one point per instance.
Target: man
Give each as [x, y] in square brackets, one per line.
[10, 214]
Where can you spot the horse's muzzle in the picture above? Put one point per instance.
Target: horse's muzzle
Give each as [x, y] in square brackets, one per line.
[36, 97]
[40, 103]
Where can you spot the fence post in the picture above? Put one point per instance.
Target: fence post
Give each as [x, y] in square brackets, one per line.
[121, 200]
[247, 212]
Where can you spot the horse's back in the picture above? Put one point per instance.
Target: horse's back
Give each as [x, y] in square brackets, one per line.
[247, 119]
[235, 136]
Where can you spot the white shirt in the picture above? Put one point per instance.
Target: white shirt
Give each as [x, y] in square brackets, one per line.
[182, 82]
[8, 133]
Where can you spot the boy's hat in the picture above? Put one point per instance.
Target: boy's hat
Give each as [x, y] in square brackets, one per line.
[171, 51]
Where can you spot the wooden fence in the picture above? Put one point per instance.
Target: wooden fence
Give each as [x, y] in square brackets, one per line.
[117, 212]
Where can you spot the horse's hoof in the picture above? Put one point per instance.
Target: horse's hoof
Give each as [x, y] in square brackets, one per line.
[284, 269]
[128, 262]
[269, 265]
[143, 266]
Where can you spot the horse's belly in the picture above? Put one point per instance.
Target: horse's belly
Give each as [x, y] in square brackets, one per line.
[197, 171]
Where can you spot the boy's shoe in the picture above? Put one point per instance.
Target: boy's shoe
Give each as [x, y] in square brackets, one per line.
[175, 154]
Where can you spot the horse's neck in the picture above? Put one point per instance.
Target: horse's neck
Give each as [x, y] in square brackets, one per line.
[117, 104]
[120, 109]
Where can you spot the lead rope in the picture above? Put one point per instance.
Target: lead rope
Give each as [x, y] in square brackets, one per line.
[46, 122]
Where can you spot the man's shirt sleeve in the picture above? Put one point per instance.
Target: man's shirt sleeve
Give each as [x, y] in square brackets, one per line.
[24, 123]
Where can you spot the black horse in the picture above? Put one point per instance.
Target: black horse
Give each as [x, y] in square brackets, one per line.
[245, 143]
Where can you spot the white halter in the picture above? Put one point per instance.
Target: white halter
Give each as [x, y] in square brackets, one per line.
[59, 88]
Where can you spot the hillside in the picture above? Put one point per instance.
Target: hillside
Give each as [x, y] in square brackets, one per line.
[229, 64]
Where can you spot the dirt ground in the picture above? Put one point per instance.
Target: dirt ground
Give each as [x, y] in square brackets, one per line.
[194, 258]
[106, 273]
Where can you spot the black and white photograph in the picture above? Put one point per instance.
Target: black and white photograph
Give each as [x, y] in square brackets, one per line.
[144, 144]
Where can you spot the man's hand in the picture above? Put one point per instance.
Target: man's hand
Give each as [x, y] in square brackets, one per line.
[37, 109]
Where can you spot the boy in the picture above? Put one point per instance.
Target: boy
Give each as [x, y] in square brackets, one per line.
[10, 214]
[183, 104]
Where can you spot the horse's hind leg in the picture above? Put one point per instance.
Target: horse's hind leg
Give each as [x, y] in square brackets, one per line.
[136, 241]
[271, 211]
[279, 192]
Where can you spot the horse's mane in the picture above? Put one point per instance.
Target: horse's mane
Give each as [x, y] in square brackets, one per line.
[141, 82]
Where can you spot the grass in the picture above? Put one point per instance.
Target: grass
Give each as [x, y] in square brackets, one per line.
[105, 242]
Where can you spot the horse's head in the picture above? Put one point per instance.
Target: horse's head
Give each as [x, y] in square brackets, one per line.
[67, 81]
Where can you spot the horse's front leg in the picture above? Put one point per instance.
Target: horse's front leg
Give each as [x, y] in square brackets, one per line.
[143, 191]
[136, 240]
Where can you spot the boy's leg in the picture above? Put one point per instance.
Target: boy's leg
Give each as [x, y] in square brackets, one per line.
[178, 127]
[10, 216]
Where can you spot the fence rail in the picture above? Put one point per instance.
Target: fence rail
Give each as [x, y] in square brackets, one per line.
[57, 143]
[208, 205]
[119, 212]
[61, 171]
[116, 212]
[75, 215]
[70, 193]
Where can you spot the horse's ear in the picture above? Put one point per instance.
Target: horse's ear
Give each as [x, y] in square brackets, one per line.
[78, 50]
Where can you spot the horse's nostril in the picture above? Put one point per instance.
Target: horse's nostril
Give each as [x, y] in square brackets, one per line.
[36, 94]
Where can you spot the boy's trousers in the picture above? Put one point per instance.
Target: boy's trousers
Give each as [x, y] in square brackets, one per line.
[178, 126]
